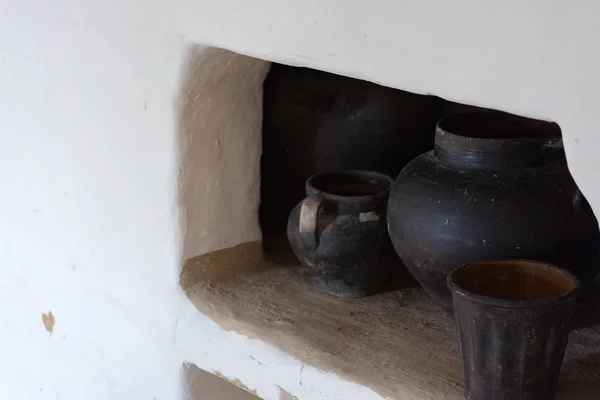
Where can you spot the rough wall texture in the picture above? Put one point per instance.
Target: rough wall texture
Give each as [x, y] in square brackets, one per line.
[220, 147]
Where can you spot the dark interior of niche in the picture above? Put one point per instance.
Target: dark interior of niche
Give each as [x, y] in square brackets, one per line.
[315, 121]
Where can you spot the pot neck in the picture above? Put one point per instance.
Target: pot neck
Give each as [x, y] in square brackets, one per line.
[495, 150]
[350, 189]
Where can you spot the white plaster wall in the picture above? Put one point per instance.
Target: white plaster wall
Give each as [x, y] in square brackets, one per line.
[88, 222]
[89, 160]
[90, 118]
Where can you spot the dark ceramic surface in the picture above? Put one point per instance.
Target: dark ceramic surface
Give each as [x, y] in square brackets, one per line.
[512, 319]
[340, 232]
[496, 186]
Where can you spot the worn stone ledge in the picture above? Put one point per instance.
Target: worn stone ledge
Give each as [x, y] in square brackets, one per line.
[399, 343]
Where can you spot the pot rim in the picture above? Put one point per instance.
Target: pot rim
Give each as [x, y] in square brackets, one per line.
[548, 131]
[355, 173]
[496, 140]
[458, 290]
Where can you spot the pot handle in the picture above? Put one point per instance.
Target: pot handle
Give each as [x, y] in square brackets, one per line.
[309, 216]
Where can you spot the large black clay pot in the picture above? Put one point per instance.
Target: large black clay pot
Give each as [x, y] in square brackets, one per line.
[339, 231]
[314, 121]
[495, 186]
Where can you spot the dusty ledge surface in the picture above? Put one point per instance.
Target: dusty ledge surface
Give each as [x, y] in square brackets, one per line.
[399, 343]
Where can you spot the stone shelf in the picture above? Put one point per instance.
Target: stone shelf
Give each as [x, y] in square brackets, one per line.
[398, 343]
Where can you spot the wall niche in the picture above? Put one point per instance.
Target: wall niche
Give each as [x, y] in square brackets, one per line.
[286, 124]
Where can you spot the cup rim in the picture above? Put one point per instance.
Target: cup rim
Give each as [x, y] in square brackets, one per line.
[458, 290]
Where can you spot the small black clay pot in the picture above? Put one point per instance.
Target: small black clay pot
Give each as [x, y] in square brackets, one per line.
[512, 319]
[340, 232]
[315, 121]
